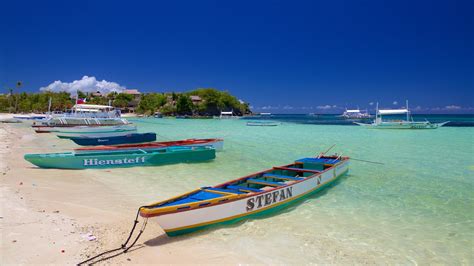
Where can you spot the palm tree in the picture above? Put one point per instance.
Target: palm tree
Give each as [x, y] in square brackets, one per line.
[18, 85]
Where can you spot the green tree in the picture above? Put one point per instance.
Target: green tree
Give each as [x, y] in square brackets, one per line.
[4, 103]
[168, 109]
[81, 95]
[151, 102]
[184, 105]
[98, 100]
[122, 100]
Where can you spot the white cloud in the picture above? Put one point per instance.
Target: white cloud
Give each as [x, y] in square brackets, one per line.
[371, 103]
[268, 107]
[395, 102]
[86, 84]
[287, 107]
[452, 107]
[324, 107]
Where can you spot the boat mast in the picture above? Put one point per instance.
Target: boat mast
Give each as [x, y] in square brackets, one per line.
[377, 113]
[408, 115]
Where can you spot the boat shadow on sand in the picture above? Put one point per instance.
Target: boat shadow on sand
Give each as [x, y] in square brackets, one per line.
[163, 239]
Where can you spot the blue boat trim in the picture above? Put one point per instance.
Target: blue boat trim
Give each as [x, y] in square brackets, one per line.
[282, 177]
[240, 188]
[264, 182]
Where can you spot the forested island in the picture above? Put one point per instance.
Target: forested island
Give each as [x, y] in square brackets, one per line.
[200, 102]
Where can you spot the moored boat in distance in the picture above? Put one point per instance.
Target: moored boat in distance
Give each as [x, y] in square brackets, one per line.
[263, 123]
[10, 120]
[31, 117]
[246, 197]
[217, 144]
[355, 114]
[227, 115]
[124, 158]
[379, 123]
[103, 131]
[114, 140]
[82, 115]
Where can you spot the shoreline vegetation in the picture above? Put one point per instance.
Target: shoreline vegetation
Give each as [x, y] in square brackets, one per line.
[199, 103]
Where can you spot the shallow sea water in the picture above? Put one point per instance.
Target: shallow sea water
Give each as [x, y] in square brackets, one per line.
[418, 207]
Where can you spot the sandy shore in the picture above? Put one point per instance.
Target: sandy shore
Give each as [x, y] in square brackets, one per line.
[49, 216]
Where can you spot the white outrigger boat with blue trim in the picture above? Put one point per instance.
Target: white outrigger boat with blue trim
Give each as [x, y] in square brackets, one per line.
[102, 131]
[379, 123]
[246, 197]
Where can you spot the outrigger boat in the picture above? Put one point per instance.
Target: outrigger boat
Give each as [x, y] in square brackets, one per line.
[263, 124]
[217, 144]
[355, 114]
[114, 140]
[246, 197]
[48, 128]
[379, 123]
[104, 131]
[126, 158]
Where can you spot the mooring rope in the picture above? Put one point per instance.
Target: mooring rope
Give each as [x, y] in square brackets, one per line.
[123, 247]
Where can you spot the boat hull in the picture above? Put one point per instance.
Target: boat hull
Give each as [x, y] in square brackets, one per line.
[263, 124]
[217, 144]
[103, 131]
[396, 125]
[178, 223]
[121, 159]
[114, 140]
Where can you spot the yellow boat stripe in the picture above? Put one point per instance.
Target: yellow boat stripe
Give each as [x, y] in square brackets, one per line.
[249, 213]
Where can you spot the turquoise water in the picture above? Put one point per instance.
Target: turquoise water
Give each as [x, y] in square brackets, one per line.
[418, 207]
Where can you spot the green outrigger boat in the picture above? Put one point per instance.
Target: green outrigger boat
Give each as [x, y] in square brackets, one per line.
[126, 158]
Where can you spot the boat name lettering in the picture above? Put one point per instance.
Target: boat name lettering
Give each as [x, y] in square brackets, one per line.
[269, 198]
[92, 162]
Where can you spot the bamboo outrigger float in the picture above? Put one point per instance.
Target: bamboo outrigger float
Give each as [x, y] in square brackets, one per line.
[246, 197]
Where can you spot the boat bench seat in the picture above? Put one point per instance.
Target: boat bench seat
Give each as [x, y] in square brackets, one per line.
[263, 182]
[228, 190]
[240, 188]
[285, 177]
[297, 169]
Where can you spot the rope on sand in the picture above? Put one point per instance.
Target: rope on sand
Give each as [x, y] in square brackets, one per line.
[123, 248]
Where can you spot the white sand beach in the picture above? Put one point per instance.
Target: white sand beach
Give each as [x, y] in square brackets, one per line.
[48, 216]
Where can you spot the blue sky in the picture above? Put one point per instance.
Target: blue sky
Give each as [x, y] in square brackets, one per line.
[281, 56]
